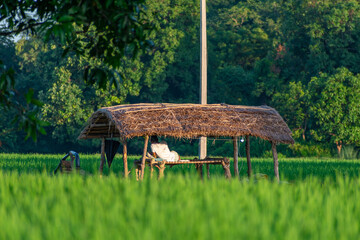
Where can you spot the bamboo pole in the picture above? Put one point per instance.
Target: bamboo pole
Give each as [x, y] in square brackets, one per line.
[126, 171]
[102, 161]
[276, 163]
[236, 153]
[143, 157]
[247, 146]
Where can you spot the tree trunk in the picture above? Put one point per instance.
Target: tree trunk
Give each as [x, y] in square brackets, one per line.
[304, 130]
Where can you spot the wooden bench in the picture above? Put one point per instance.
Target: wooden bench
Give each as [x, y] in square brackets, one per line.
[161, 165]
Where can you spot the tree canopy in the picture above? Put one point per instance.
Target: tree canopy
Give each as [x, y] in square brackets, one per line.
[301, 57]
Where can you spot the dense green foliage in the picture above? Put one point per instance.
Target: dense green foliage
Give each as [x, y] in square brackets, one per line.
[36, 205]
[292, 55]
[98, 30]
[335, 106]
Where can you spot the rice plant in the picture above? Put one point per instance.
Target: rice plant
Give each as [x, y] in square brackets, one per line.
[316, 199]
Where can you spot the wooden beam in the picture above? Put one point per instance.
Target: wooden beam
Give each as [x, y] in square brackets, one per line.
[143, 157]
[102, 129]
[102, 161]
[276, 163]
[236, 153]
[247, 146]
[101, 136]
[125, 160]
[100, 125]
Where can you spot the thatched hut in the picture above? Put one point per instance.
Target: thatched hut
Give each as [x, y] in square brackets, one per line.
[188, 121]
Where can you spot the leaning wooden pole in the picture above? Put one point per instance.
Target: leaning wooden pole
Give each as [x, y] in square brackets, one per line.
[126, 171]
[102, 161]
[144, 157]
[236, 154]
[276, 163]
[247, 147]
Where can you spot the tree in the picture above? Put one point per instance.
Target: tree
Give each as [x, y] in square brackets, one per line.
[233, 85]
[293, 105]
[100, 22]
[169, 66]
[64, 106]
[335, 101]
[103, 30]
[319, 36]
[241, 33]
[68, 101]
[24, 107]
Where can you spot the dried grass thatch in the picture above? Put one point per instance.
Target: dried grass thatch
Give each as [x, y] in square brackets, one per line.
[187, 121]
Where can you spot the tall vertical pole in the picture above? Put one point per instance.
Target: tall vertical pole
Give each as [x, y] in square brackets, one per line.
[203, 70]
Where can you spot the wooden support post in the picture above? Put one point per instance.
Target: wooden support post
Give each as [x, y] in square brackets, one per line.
[152, 162]
[236, 153]
[143, 157]
[199, 168]
[247, 146]
[276, 163]
[137, 173]
[161, 170]
[226, 165]
[208, 170]
[102, 161]
[126, 171]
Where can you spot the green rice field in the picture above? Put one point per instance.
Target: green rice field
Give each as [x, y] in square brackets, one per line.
[316, 199]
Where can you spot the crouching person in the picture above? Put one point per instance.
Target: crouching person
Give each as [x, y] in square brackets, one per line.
[67, 166]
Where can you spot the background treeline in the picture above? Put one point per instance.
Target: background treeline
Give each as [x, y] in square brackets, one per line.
[300, 57]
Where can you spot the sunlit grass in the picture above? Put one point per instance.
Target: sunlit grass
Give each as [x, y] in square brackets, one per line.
[290, 168]
[39, 206]
[316, 199]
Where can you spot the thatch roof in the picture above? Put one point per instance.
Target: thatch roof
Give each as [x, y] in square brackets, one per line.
[187, 121]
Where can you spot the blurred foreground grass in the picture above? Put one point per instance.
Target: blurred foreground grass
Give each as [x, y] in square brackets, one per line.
[317, 199]
[38, 206]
